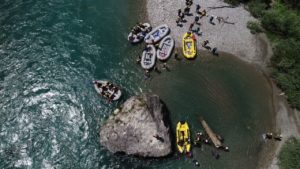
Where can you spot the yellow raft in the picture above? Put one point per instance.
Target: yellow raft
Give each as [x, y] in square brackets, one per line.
[183, 137]
[189, 45]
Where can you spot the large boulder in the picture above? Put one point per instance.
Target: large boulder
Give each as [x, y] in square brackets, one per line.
[140, 127]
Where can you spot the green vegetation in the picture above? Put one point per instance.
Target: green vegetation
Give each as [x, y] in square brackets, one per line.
[290, 154]
[254, 27]
[280, 21]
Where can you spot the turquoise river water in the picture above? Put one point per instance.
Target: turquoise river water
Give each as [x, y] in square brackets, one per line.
[50, 115]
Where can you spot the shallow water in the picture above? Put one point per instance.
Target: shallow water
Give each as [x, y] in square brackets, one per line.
[233, 97]
[50, 115]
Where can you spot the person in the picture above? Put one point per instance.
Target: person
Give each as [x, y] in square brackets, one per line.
[110, 86]
[278, 137]
[176, 54]
[115, 89]
[269, 135]
[220, 19]
[191, 26]
[198, 8]
[104, 88]
[138, 60]
[146, 48]
[198, 139]
[198, 31]
[215, 154]
[197, 19]
[211, 19]
[153, 42]
[181, 17]
[194, 37]
[205, 43]
[203, 13]
[187, 10]
[159, 138]
[214, 51]
[141, 25]
[99, 85]
[189, 2]
[196, 163]
[156, 69]
[178, 21]
[131, 38]
[147, 74]
[179, 12]
[165, 66]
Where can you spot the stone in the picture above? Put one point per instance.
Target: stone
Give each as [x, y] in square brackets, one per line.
[139, 128]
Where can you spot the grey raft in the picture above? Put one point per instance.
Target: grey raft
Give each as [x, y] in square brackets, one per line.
[157, 34]
[165, 48]
[148, 57]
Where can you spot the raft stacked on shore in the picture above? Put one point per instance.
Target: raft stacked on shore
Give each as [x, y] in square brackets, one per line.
[138, 32]
[157, 34]
[165, 48]
[148, 57]
[189, 45]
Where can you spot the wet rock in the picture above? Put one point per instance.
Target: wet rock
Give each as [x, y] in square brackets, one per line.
[140, 127]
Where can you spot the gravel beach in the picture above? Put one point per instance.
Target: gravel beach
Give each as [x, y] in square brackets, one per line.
[231, 38]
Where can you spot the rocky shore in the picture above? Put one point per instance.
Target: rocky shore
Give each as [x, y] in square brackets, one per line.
[139, 127]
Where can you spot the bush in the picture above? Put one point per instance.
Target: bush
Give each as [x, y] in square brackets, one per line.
[290, 154]
[233, 2]
[282, 21]
[295, 4]
[286, 61]
[257, 8]
[254, 27]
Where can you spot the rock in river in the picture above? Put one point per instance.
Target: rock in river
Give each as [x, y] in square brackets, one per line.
[140, 127]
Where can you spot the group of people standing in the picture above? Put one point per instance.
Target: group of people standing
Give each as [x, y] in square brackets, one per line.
[199, 15]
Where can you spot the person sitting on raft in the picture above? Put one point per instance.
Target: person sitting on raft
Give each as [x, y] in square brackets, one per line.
[99, 85]
[141, 25]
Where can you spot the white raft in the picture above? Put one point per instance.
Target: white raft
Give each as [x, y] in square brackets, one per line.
[136, 38]
[157, 34]
[117, 94]
[166, 46]
[148, 57]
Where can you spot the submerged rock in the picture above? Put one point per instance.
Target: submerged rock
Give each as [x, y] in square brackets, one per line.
[140, 127]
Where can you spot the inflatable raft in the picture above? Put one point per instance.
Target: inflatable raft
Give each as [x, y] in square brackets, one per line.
[189, 45]
[166, 46]
[107, 90]
[148, 57]
[136, 38]
[157, 34]
[183, 137]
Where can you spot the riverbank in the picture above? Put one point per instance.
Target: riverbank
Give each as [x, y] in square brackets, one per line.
[237, 40]
[231, 38]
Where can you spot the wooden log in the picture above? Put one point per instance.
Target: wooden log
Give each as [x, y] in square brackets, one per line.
[210, 133]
